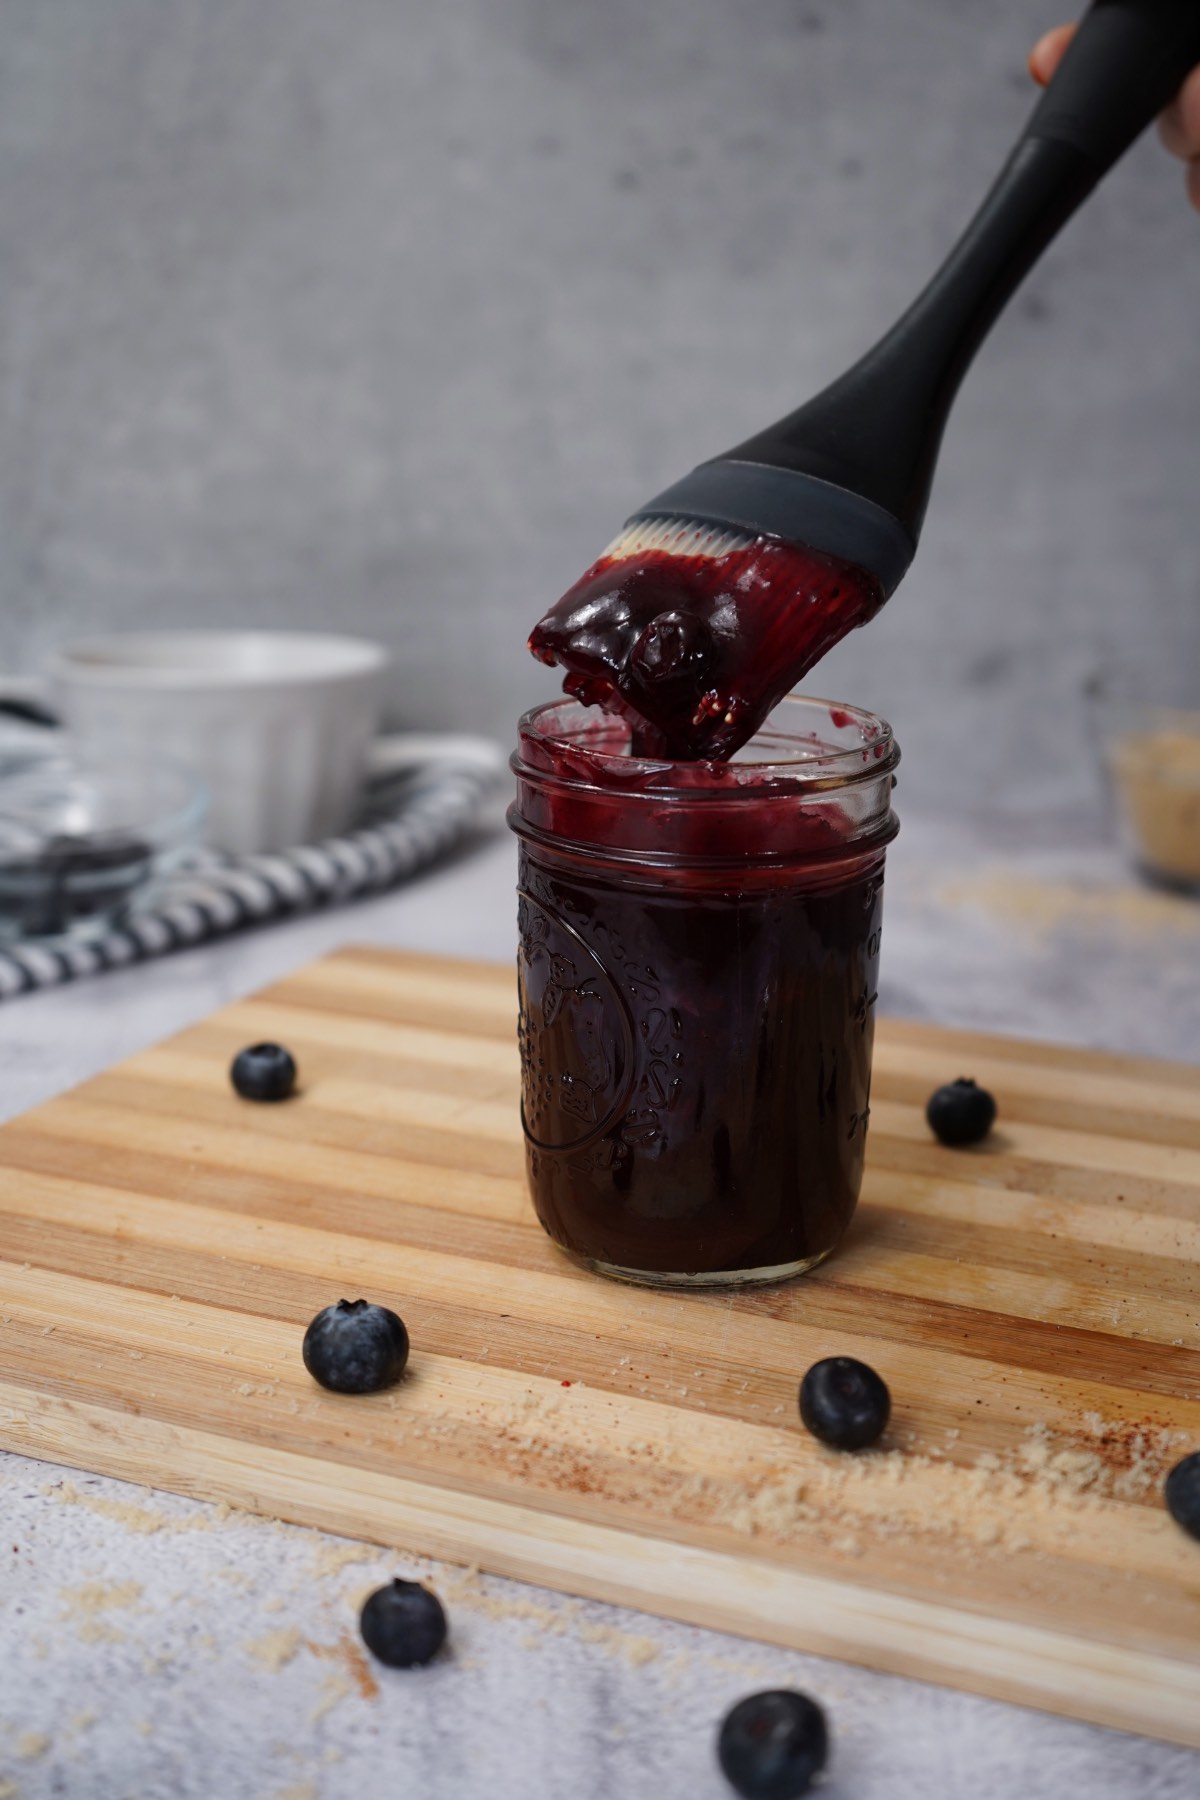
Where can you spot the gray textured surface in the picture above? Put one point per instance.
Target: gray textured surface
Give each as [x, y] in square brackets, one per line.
[540, 1698]
[543, 1698]
[387, 313]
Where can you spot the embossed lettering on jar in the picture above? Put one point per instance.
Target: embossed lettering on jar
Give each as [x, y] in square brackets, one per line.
[699, 947]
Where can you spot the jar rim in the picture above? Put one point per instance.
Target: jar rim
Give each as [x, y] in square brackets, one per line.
[813, 764]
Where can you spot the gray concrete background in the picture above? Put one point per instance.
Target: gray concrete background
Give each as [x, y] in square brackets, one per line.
[378, 314]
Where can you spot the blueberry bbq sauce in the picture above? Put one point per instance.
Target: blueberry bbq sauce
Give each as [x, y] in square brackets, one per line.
[699, 942]
[695, 650]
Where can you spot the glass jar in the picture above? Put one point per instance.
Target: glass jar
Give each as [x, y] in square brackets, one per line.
[1147, 733]
[697, 969]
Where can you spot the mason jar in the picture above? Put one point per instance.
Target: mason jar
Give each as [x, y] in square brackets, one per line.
[698, 957]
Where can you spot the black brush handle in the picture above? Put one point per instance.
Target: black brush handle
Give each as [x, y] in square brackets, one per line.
[876, 432]
[1123, 65]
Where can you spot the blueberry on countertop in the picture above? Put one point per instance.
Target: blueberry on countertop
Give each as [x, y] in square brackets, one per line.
[1181, 1490]
[771, 1745]
[960, 1113]
[356, 1347]
[844, 1403]
[263, 1072]
[403, 1624]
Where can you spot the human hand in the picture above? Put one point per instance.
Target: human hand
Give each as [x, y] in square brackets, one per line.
[1178, 125]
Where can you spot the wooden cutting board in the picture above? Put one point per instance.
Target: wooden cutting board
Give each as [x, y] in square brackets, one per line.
[1034, 1305]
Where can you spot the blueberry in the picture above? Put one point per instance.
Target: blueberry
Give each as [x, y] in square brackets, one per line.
[1181, 1491]
[960, 1112]
[263, 1072]
[355, 1347]
[771, 1745]
[674, 646]
[403, 1624]
[844, 1403]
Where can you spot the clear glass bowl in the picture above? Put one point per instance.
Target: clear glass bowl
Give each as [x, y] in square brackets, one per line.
[1151, 756]
[82, 836]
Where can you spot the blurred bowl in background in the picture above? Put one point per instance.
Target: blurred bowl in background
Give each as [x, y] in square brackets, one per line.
[82, 836]
[275, 723]
[1151, 757]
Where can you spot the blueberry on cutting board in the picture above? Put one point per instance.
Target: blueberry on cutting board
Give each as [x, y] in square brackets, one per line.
[844, 1403]
[772, 1744]
[356, 1347]
[403, 1624]
[264, 1072]
[1181, 1491]
[960, 1113]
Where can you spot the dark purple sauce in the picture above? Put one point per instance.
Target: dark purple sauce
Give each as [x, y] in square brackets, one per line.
[697, 977]
[696, 650]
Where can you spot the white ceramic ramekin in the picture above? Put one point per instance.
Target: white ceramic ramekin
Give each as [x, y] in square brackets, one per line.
[276, 724]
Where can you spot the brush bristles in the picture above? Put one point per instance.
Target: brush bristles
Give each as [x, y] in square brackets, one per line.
[677, 537]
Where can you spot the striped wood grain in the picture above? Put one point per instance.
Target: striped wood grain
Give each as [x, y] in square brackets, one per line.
[1034, 1305]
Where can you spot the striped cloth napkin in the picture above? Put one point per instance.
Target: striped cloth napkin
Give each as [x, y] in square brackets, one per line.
[411, 816]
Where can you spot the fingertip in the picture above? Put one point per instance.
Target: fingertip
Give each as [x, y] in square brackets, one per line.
[1188, 103]
[1039, 62]
[1047, 53]
[1179, 123]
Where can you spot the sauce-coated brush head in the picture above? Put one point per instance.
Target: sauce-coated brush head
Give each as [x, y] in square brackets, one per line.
[696, 633]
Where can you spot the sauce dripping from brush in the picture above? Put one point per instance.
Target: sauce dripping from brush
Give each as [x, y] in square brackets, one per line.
[696, 650]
